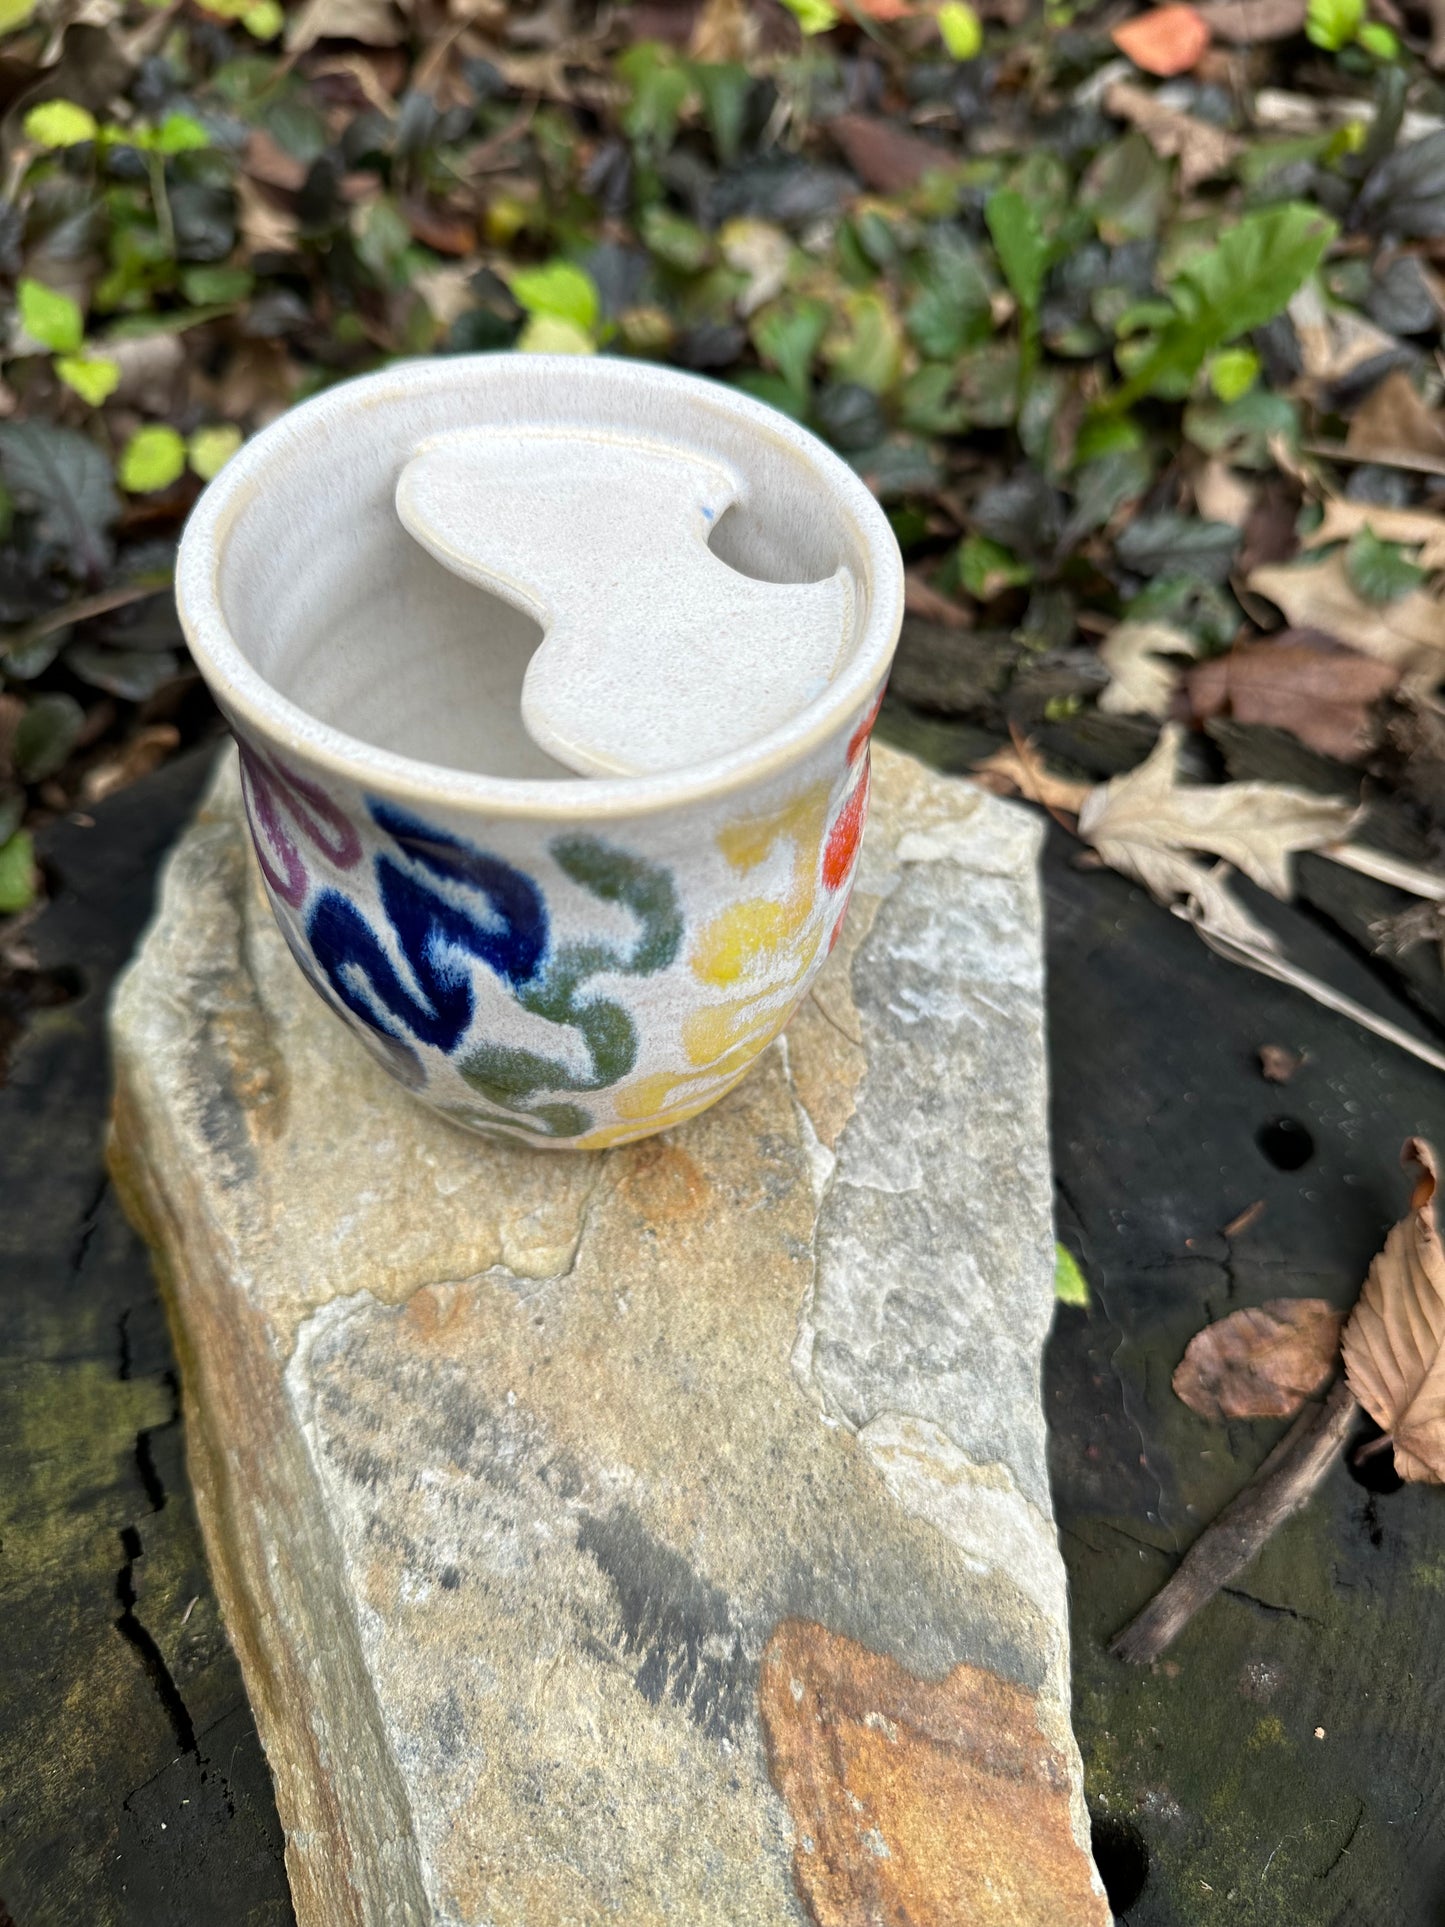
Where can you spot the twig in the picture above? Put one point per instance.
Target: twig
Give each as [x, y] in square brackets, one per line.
[1276, 1492]
[1268, 964]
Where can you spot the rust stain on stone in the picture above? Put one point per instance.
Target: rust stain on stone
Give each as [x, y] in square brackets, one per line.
[662, 1183]
[918, 1803]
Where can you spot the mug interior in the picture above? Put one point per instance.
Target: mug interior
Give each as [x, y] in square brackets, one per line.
[340, 612]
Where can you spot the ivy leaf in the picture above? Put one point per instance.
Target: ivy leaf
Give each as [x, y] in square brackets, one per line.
[50, 317]
[1380, 571]
[59, 123]
[64, 478]
[1246, 279]
[1021, 245]
[18, 876]
[153, 458]
[93, 377]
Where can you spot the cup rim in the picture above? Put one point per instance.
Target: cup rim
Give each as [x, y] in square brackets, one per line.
[251, 701]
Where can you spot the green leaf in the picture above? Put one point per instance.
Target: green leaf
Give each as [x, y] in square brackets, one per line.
[560, 292]
[64, 478]
[724, 86]
[59, 123]
[961, 29]
[866, 343]
[1233, 372]
[14, 14]
[987, 568]
[18, 875]
[207, 287]
[1023, 250]
[209, 449]
[180, 134]
[660, 84]
[1178, 545]
[1071, 1287]
[93, 377]
[549, 334]
[264, 20]
[1126, 191]
[153, 458]
[1380, 571]
[1333, 24]
[951, 311]
[1379, 41]
[787, 334]
[674, 239]
[813, 16]
[50, 317]
[927, 402]
[45, 736]
[1244, 280]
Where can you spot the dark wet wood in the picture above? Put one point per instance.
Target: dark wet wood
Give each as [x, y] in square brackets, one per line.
[133, 1790]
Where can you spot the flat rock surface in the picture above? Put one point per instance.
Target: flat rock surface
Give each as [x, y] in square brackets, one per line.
[662, 1535]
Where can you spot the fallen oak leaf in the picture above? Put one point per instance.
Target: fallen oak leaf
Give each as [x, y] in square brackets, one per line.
[1392, 421]
[1415, 528]
[1408, 632]
[1394, 1343]
[1255, 826]
[1142, 679]
[1261, 1362]
[1165, 41]
[1018, 770]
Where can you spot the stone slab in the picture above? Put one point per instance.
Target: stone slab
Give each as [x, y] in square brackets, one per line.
[660, 1535]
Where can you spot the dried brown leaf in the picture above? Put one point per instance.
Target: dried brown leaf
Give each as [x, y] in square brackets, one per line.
[1221, 494]
[375, 23]
[1018, 770]
[142, 753]
[883, 156]
[1301, 681]
[1394, 1343]
[1255, 826]
[1393, 420]
[1262, 1362]
[1142, 679]
[1277, 1065]
[1408, 632]
[1416, 528]
[1201, 149]
[1243, 22]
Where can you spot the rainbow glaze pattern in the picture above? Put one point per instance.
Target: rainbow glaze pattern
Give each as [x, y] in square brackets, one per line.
[586, 996]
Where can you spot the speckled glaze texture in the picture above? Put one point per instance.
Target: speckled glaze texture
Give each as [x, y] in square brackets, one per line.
[571, 963]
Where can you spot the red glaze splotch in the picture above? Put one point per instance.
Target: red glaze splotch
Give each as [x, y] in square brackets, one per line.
[840, 852]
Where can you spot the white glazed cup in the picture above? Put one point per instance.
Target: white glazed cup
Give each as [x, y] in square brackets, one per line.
[554, 959]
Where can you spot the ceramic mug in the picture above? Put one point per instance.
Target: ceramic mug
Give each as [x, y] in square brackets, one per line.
[562, 960]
